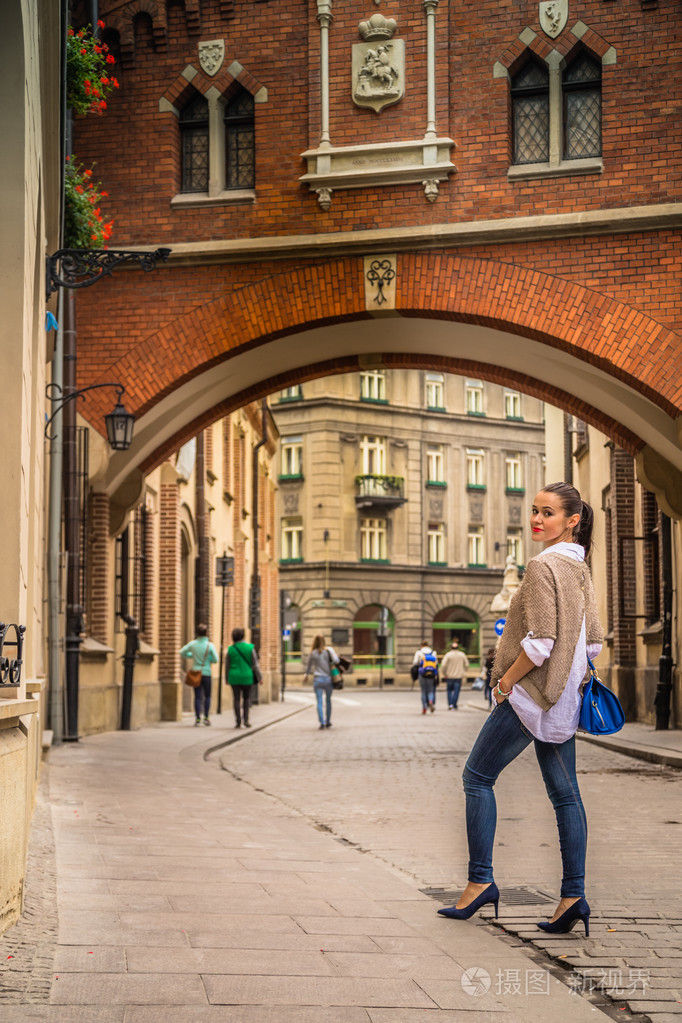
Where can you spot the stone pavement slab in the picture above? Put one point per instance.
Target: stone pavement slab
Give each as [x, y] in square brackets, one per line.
[278, 922]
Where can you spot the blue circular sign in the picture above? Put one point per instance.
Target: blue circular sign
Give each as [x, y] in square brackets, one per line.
[499, 626]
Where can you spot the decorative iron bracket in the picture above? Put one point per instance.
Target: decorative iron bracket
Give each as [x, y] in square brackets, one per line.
[10, 668]
[54, 393]
[79, 268]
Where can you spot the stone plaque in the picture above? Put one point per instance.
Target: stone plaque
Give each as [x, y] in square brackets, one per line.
[211, 56]
[476, 511]
[553, 17]
[291, 503]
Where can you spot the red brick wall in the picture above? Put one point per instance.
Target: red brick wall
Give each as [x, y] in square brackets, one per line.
[99, 595]
[170, 604]
[279, 51]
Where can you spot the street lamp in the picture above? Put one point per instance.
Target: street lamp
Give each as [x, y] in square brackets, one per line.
[119, 423]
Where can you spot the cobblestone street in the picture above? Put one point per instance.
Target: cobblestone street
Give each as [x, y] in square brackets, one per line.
[388, 781]
[292, 874]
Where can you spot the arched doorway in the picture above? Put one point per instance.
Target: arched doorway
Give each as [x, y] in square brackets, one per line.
[577, 349]
[458, 623]
[373, 638]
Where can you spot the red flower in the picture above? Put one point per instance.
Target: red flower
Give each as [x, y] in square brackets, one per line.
[70, 32]
[79, 189]
[87, 173]
[100, 24]
[105, 194]
[110, 59]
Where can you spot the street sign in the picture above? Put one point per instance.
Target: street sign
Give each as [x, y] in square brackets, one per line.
[224, 571]
[499, 626]
[286, 633]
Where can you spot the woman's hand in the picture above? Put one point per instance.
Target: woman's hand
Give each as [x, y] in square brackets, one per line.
[496, 693]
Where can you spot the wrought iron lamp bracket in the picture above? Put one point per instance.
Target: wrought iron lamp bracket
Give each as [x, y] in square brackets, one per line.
[79, 268]
[10, 668]
[54, 393]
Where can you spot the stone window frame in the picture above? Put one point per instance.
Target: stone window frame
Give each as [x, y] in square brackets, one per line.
[515, 544]
[435, 543]
[373, 454]
[435, 463]
[291, 456]
[292, 538]
[475, 468]
[374, 539]
[556, 58]
[476, 547]
[434, 391]
[217, 91]
[373, 385]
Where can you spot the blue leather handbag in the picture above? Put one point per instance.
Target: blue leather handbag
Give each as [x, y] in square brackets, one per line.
[600, 711]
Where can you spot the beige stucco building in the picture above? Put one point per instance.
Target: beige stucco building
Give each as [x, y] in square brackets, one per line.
[157, 563]
[400, 495]
[29, 214]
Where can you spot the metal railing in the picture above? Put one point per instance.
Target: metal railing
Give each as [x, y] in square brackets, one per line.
[10, 667]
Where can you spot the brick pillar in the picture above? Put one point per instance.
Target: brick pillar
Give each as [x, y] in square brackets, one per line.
[623, 576]
[98, 605]
[170, 603]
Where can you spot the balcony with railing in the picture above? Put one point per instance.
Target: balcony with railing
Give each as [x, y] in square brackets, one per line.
[384, 492]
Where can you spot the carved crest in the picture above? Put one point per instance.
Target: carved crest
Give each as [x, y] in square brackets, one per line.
[211, 56]
[553, 17]
[378, 64]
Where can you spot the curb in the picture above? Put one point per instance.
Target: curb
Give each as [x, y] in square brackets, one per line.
[253, 731]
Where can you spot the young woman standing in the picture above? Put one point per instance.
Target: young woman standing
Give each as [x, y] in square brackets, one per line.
[552, 626]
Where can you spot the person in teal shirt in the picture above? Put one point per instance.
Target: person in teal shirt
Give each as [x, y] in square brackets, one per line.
[241, 672]
[203, 655]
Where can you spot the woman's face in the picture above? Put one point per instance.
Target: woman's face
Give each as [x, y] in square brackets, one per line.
[549, 523]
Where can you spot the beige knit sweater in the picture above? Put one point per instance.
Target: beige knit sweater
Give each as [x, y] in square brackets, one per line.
[555, 594]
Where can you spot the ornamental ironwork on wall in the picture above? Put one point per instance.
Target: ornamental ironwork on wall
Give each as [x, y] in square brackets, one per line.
[10, 667]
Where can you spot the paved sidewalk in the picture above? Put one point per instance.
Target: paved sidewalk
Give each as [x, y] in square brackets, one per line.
[187, 897]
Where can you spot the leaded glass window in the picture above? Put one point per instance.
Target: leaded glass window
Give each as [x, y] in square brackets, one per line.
[530, 114]
[240, 141]
[581, 86]
[194, 135]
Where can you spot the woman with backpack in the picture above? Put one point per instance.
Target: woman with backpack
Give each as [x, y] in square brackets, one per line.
[320, 661]
[241, 672]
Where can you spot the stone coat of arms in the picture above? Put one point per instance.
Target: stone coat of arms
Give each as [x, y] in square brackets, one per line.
[378, 64]
[553, 17]
[211, 56]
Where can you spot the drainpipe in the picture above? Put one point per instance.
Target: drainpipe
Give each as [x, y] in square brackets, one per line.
[665, 663]
[254, 596]
[54, 530]
[74, 610]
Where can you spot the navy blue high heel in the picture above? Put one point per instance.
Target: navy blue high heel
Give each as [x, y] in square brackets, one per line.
[580, 910]
[490, 894]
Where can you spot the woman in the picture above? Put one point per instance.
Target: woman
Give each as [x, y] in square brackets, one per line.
[241, 672]
[552, 626]
[320, 662]
[203, 655]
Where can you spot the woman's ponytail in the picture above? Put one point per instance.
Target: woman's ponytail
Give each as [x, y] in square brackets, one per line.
[583, 531]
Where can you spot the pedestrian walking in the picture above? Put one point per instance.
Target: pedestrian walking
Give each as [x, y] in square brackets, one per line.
[203, 655]
[242, 671]
[320, 661]
[452, 669]
[488, 688]
[426, 663]
[552, 627]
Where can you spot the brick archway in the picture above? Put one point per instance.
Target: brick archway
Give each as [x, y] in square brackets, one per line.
[605, 361]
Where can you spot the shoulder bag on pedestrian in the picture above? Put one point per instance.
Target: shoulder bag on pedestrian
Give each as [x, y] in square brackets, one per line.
[193, 677]
[600, 711]
[255, 671]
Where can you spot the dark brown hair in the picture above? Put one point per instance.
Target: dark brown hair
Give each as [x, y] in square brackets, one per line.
[573, 504]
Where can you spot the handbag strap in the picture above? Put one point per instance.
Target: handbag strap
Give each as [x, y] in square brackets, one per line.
[248, 663]
[201, 667]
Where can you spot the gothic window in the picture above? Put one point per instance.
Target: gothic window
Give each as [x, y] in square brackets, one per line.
[581, 90]
[194, 145]
[530, 113]
[240, 140]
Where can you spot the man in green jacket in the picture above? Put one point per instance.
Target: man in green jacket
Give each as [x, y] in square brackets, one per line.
[241, 672]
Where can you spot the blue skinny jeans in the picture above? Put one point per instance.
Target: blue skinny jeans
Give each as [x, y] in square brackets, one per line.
[202, 695]
[500, 741]
[453, 686]
[323, 692]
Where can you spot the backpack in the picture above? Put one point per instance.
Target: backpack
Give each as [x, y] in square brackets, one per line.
[428, 666]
